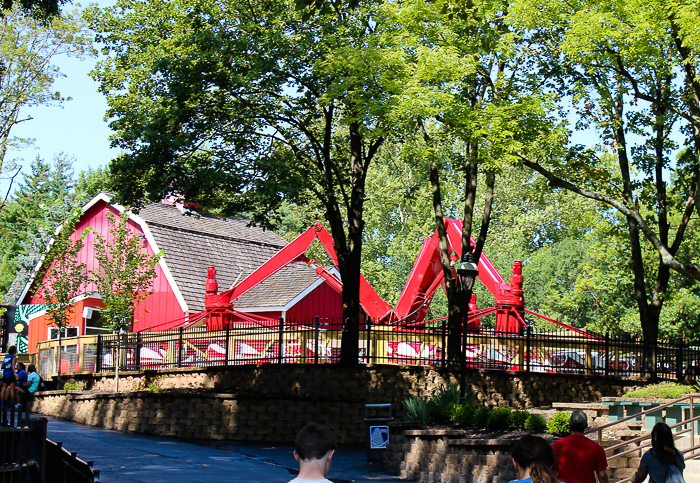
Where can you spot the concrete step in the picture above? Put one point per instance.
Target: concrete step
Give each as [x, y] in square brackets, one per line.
[692, 471]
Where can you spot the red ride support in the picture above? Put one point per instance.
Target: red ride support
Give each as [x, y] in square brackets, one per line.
[216, 305]
[511, 302]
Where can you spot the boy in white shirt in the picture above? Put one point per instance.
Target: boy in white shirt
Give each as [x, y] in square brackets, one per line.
[315, 447]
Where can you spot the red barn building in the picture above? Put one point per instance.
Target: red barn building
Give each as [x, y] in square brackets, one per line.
[189, 245]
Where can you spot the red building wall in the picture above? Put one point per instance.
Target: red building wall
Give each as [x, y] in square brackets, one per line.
[322, 301]
[161, 308]
[39, 326]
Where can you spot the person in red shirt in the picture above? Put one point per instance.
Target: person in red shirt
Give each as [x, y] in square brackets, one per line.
[580, 459]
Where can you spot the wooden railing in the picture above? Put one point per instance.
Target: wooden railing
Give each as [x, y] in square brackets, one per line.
[688, 453]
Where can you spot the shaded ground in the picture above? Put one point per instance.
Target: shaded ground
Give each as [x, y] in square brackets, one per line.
[136, 458]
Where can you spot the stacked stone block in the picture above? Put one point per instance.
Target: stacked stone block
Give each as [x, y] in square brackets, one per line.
[445, 456]
[271, 402]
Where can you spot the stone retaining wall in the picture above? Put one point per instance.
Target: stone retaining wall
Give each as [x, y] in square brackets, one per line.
[445, 456]
[271, 402]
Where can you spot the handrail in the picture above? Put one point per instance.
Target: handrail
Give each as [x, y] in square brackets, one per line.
[600, 429]
[688, 453]
[643, 437]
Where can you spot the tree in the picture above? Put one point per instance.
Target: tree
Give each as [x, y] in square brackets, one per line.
[125, 271]
[635, 58]
[239, 106]
[27, 49]
[41, 203]
[91, 182]
[469, 98]
[40, 10]
[62, 280]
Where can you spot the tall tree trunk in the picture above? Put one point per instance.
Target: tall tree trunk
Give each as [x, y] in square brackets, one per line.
[454, 310]
[648, 322]
[349, 249]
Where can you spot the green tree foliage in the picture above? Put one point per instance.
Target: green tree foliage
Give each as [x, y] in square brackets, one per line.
[90, 183]
[62, 279]
[240, 106]
[28, 48]
[41, 203]
[469, 98]
[63, 276]
[632, 78]
[125, 272]
[40, 10]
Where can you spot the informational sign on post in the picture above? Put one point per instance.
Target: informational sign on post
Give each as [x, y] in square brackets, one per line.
[379, 436]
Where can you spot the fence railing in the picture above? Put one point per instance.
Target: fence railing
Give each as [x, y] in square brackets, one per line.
[685, 427]
[318, 341]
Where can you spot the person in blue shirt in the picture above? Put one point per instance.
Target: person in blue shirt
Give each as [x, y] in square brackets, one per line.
[21, 381]
[9, 375]
[534, 461]
[29, 384]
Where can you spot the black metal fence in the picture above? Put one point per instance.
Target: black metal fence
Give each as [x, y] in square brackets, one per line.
[318, 341]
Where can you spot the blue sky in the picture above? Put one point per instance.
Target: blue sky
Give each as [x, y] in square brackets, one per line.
[76, 128]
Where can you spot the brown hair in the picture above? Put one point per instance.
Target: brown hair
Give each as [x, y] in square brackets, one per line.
[536, 454]
[314, 441]
[12, 349]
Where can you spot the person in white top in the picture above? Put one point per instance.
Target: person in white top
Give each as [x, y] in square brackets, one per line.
[315, 447]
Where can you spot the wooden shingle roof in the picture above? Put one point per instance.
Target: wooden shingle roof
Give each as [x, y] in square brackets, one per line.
[191, 244]
[279, 289]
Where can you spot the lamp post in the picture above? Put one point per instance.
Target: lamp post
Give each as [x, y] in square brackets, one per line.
[467, 272]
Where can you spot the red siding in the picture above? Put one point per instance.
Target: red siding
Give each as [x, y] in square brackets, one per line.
[160, 309]
[322, 301]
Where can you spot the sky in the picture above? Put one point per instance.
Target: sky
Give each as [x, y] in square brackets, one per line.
[76, 128]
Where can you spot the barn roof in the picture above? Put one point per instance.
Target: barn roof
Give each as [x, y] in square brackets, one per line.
[280, 290]
[193, 243]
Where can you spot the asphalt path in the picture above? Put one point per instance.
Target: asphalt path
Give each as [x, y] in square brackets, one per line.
[136, 458]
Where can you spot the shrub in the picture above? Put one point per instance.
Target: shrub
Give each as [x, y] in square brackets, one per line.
[469, 397]
[559, 424]
[498, 419]
[154, 386]
[535, 423]
[418, 410]
[74, 386]
[443, 402]
[464, 414]
[481, 416]
[668, 390]
[518, 419]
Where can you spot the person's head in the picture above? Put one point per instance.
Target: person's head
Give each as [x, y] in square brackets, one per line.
[31, 368]
[314, 442]
[20, 366]
[534, 454]
[662, 442]
[12, 349]
[578, 422]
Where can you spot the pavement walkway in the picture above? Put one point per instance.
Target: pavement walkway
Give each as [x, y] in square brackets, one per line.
[137, 458]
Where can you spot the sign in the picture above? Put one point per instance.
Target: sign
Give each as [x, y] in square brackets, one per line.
[378, 437]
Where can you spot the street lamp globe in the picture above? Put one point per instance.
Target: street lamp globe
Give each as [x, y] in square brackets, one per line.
[467, 271]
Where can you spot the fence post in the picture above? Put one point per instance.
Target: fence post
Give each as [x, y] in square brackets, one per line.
[607, 352]
[444, 340]
[679, 361]
[179, 349]
[137, 356]
[369, 340]
[280, 350]
[98, 362]
[527, 350]
[316, 323]
[228, 338]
